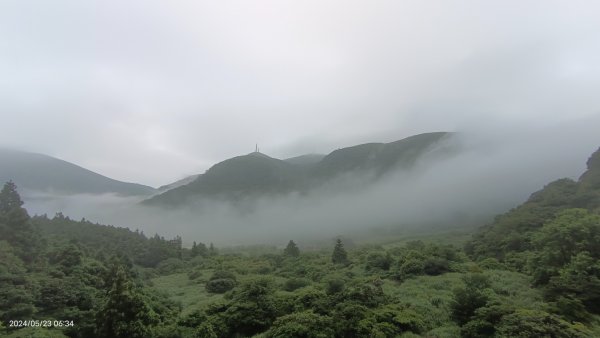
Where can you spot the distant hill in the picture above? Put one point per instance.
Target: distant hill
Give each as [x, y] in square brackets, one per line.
[377, 157]
[39, 172]
[254, 173]
[259, 174]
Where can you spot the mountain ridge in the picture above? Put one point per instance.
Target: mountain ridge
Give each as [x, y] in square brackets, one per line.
[259, 174]
[39, 172]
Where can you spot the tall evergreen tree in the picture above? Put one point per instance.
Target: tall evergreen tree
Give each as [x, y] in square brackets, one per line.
[291, 250]
[9, 198]
[125, 313]
[15, 225]
[339, 256]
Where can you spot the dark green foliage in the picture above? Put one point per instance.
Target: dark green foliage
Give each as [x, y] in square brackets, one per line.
[304, 324]
[530, 323]
[15, 224]
[348, 320]
[220, 285]
[16, 301]
[339, 256]
[9, 198]
[291, 250]
[100, 239]
[512, 232]
[398, 318]
[335, 284]
[19, 247]
[378, 261]
[205, 330]
[66, 258]
[417, 258]
[125, 313]
[295, 283]
[367, 294]
[221, 282]
[252, 309]
[566, 260]
[570, 308]
[470, 298]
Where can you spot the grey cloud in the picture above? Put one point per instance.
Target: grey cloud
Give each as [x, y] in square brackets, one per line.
[150, 91]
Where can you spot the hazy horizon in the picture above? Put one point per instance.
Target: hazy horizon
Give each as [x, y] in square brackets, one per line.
[119, 88]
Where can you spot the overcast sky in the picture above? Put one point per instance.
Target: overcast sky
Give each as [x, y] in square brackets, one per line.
[151, 91]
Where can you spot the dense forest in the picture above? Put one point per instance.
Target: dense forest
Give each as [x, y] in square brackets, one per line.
[533, 272]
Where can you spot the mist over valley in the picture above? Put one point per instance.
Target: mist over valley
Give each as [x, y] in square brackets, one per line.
[452, 181]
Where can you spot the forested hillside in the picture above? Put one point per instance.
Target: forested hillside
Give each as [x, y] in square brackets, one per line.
[534, 272]
[258, 175]
[555, 238]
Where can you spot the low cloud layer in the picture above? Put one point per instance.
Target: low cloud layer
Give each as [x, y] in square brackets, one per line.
[494, 172]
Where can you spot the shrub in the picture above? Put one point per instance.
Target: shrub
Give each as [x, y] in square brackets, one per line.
[221, 285]
[301, 324]
[295, 283]
[378, 260]
[221, 281]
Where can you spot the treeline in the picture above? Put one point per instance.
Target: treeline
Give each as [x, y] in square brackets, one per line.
[101, 240]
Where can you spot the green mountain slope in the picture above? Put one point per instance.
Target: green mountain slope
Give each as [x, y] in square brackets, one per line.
[254, 173]
[258, 174]
[553, 237]
[379, 157]
[44, 173]
[513, 232]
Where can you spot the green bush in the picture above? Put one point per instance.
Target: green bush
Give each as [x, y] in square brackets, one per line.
[301, 324]
[378, 261]
[220, 285]
[295, 283]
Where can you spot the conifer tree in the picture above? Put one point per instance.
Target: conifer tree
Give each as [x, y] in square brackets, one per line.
[339, 256]
[15, 225]
[291, 250]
